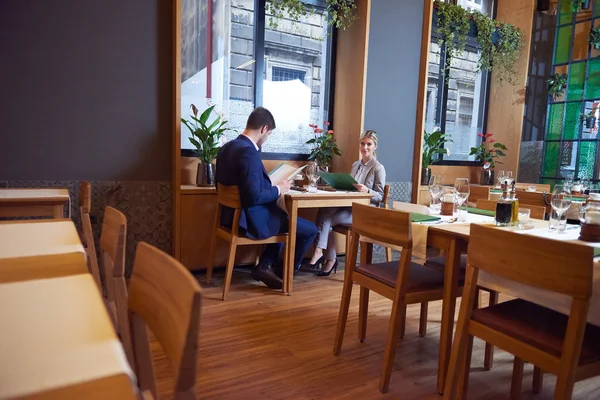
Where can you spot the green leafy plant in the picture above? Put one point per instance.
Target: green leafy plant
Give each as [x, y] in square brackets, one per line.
[485, 30]
[206, 138]
[453, 27]
[324, 146]
[507, 51]
[576, 5]
[591, 114]
[488, 151]
[557, 84]
[342, 13]
[433, 144]
[594, 38]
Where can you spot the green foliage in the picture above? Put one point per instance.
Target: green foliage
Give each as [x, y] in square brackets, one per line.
[454, 23]
[488, 151]
[575, 5]
[342, 13]
[557, 84]
[433, 144]
[206, 138]
[594, 38]
[324, 146]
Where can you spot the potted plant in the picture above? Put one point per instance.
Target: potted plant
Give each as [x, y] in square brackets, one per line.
[487, 153]
[433, 144]
[324, 146]
[206, 137]
[576, 5]
[556, 85]
[594, 39]
[590, 118]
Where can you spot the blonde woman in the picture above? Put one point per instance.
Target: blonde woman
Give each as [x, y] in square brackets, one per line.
[370, 175]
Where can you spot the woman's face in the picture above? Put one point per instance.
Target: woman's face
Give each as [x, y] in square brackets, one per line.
[367, 147]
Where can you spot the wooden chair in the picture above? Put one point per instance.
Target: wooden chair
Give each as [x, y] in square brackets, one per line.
[229, 196]
[539, 187]
[164, 297]
[478, 192]
[112, 255]
[403, 281]
[346, 230]
[537, 212]
[563, 345]
[85, 205]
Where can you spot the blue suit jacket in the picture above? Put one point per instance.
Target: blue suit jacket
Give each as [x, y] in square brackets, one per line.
[239, 164]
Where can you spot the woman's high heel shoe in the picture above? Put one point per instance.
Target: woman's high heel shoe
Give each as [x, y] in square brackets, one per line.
[334, 269]
[316, 264]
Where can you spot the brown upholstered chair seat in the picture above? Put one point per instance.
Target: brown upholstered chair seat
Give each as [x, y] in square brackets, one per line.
[440, 262]
[421, 278]
[537, 326]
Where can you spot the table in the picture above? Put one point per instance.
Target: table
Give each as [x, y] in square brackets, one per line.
[34, 202]
[58, 342]
[295, 200]
[38, 249]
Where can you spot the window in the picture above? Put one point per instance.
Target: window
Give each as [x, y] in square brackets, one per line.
[258, 60]
[456, 99]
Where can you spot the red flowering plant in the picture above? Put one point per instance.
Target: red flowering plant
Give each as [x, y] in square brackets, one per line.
[324, 145]
[488, 151]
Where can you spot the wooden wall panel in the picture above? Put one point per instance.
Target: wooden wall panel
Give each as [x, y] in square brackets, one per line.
[507, 102]
[350, 87]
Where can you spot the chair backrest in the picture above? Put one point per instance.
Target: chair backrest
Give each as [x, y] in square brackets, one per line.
[410, 207]
[559, 266]
[165, 297]
[85, 205]
[385, 226]
[477, 192]
[539, 187]
[385, 201]
[229, 196]
[112, 242]
[536, 212]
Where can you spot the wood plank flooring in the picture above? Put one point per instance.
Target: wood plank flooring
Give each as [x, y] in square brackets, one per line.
[261, 344]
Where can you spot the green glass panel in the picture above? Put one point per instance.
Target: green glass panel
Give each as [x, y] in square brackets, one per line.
[555, 121]
[550, 182]
[566, 12]
[576, 81]
[597, 8]
[572, 121]
[587, 157]
[592, 89]
[551, 159]
[563, 45]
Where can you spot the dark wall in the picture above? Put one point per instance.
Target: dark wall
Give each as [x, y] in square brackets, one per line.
[392, 81]
[85, 90]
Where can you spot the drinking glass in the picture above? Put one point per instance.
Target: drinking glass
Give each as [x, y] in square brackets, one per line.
[500, 177]
[561, 201]
[524, 221]
[312, 175]
[585, 185]
[508, 178]
[435, 192]
[461, 194]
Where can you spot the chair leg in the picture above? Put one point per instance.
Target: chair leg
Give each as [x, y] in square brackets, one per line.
[343, 315]
[465, 369]
[488, 360]
[286, 285]
[390, 348]
[388, 254]
[402, 330]
[538, 380]
[229, 270]
[211, 258]
[363, 311]
[348, 237]
[517, 379]
[423, 319]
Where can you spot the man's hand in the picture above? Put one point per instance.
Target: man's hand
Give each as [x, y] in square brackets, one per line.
[361, 188]
[284, 186]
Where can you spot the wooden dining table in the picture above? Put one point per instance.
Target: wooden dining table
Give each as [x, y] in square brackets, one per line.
[39, 249]
[295, 200]
[58, 342]
[34, 202]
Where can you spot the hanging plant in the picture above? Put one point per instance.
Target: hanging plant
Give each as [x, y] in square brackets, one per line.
[507, 51]
[594, 38]
[556, 85]
[453, 26]
[485, 30]
[342, 13]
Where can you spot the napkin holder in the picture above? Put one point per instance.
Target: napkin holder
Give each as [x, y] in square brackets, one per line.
[447, 208]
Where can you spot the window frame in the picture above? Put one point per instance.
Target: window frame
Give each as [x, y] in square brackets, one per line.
[442, 93]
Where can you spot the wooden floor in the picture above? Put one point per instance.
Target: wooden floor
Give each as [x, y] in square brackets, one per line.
[261, 344]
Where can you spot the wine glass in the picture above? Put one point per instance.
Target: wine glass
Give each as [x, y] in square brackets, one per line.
[585, 185]
[500, 177]
[462, 191]
[508, 178]
[312, 173]
[561, 201]
[435, 192]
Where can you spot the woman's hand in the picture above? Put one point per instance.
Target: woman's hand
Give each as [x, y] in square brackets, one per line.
[361, 188]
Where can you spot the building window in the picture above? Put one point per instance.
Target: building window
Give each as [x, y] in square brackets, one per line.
[285, 74]
[456, 98]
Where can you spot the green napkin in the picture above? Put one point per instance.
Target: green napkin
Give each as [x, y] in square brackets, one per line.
[578, 199]
[479, 211]
[495, 190]
[596, 251]
[416, 217]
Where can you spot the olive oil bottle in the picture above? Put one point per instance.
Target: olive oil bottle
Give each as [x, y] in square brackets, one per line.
[504, 208]
[514, 220]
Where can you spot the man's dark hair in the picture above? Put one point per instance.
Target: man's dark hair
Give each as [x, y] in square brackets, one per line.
[259, 118]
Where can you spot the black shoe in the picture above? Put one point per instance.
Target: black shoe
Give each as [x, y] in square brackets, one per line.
[315, 265]
[278, 269]
[264, 273]
[327, 273]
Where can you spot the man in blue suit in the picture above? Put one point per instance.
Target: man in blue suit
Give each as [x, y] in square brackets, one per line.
[239, 164]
